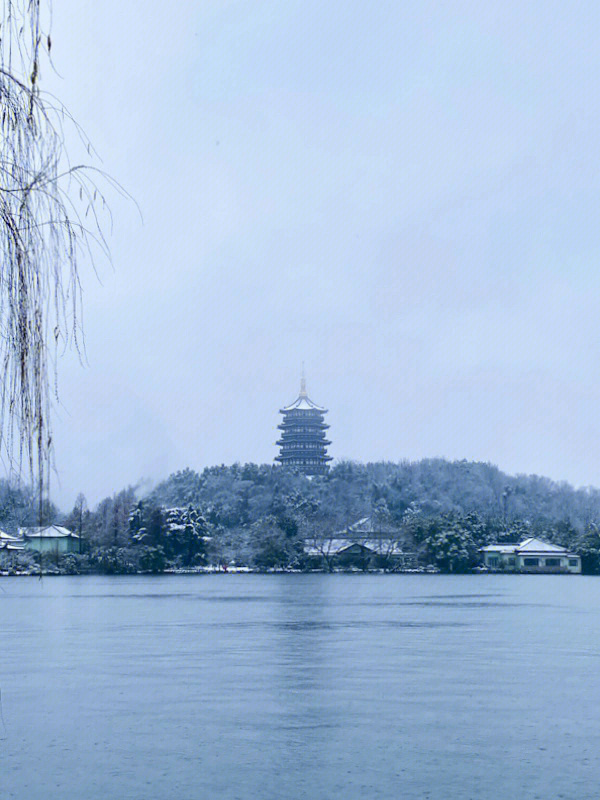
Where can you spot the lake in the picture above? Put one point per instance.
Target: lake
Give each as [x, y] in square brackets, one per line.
[280, 687]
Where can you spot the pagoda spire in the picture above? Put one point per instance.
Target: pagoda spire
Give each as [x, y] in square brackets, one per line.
[303, 383]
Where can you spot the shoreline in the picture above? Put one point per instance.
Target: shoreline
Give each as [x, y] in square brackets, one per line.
[248, 571]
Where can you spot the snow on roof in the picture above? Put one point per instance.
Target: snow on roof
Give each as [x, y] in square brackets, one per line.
[383, 547]
[533, 545]
[303, 403]
[6, 537]
[527, 546]
[47, 532]
[16, 545]
[327, 547]
[500, 548]
[336, 546]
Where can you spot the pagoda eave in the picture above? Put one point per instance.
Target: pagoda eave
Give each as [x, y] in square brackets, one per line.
[304, 412]
[286, 425]
[303, 457]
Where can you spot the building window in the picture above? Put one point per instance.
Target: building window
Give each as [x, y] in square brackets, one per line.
[492, 561]
[573, 562]
[511, 561]
[553, 562]
[531, 562]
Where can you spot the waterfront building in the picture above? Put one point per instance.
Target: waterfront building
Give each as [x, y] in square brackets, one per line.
[365, 544]
[50, 539]
[531, 555]
[303, 444]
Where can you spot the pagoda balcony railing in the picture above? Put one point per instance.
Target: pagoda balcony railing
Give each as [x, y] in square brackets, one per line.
[297, 441]
[286, 423]
[306, 439]
[314, 453]
[299, 419]
[304, 436]
[304, 462]
[302, 456]
[302, 450]
[293, 462]
[303, 412]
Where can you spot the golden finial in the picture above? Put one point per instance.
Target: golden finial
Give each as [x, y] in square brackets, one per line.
[303, 383]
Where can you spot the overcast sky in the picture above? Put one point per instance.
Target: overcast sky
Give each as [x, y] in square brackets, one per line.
[405, 195]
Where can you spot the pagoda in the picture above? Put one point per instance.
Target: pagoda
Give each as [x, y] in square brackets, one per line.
[303, 445]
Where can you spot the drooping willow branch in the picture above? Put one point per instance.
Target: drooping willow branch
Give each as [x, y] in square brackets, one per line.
[49, 219]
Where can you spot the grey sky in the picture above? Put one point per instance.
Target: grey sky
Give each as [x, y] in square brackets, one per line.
[403, 195]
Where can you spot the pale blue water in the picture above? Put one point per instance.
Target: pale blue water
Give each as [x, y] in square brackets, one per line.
[300, 686]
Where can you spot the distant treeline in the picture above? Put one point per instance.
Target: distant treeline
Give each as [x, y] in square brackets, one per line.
[261, 515]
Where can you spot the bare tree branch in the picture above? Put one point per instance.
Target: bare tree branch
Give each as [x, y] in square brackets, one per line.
[44, 231]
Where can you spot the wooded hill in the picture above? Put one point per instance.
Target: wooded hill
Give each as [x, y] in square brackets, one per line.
[260, 515]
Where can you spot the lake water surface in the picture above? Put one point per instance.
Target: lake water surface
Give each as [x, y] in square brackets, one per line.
[283, 687]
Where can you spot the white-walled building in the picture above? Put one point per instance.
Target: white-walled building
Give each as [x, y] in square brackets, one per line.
[531, 555]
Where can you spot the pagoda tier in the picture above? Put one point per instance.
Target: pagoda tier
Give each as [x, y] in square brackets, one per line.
[303, 445]
[302, 424]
